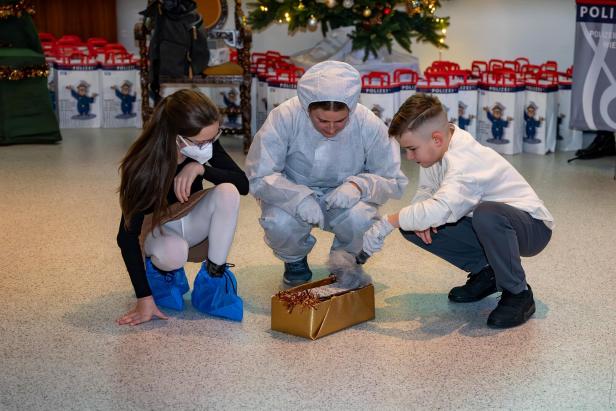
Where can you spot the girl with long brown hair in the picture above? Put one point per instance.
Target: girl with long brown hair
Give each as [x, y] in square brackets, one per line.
[167, 216]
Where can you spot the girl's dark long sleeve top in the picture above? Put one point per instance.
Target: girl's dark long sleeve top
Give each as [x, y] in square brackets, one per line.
[220, 169]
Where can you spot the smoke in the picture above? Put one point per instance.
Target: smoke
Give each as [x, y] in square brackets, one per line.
[348, 273]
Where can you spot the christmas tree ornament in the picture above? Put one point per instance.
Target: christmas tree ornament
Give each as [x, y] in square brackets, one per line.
[431, 5]
[312, 23]
[413, 7]
[387, 11]
[300, 6]
[330, 3]
[367, 12]
[347, 4]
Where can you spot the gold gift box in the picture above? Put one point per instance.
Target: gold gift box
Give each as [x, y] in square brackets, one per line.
[328, 316]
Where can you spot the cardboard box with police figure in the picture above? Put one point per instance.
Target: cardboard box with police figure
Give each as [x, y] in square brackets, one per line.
[121, 96]
[78, 94]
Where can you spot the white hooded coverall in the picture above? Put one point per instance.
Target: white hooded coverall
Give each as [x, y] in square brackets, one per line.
[290, 160]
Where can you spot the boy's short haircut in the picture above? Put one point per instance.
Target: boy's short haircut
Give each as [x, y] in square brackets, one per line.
[414, 112]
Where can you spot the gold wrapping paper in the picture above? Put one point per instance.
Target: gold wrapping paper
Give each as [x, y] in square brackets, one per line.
[329, 316]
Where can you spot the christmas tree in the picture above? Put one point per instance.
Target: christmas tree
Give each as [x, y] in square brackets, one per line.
[377, 22]
[26, 114]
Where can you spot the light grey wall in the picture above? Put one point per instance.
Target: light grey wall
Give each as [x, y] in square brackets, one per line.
[127, 15]
[480, 29]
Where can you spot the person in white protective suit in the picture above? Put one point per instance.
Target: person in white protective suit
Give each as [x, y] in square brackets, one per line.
[322, 159]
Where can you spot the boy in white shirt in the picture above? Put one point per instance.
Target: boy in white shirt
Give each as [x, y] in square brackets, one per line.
[472, 208]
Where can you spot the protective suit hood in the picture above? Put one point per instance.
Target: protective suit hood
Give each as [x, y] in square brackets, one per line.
[330, 81]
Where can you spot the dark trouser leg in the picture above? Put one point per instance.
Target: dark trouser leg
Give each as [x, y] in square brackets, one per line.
[507, 233]
[455, 243]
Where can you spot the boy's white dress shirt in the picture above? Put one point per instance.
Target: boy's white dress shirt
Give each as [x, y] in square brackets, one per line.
[467, 175]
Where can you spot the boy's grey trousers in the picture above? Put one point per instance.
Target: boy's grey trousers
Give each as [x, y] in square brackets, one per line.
[497, 234]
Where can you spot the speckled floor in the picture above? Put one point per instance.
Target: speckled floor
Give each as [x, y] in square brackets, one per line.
[63, 283]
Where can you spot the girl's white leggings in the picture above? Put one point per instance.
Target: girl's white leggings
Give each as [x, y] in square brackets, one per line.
[213, 217]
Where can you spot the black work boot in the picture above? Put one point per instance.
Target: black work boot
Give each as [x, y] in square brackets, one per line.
[512, 309]
[297, 272]
[477, 286]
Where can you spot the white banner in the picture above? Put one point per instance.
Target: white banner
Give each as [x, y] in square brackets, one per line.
[594, 76]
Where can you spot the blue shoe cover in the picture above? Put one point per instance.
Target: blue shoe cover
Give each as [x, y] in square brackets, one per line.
[165, 289]
[217, 296]
[181, 282]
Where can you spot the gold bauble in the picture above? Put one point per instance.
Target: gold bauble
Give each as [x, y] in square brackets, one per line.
[330, 3]
[312, 23]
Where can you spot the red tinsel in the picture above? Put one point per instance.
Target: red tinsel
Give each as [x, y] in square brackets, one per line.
[305, 299]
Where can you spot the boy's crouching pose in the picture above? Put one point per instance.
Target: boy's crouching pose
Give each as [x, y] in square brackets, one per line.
[472, 208]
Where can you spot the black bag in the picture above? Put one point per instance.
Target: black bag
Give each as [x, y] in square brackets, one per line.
[178, 46]
[603, 145]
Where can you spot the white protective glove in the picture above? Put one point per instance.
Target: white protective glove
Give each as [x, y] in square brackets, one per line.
[345, 195]
[375, 236]
[310, 211]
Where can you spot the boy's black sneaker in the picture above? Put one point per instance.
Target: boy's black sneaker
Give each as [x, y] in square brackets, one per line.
[297, 272]
[512, 309]
[477, 286]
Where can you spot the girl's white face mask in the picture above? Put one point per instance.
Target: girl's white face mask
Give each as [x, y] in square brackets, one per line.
[200, 153]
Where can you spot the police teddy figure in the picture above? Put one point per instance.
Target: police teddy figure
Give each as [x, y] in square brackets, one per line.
[83, 100]
[498, 124]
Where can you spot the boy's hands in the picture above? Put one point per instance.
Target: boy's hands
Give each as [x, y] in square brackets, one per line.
[425, 235]
[375, 236]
